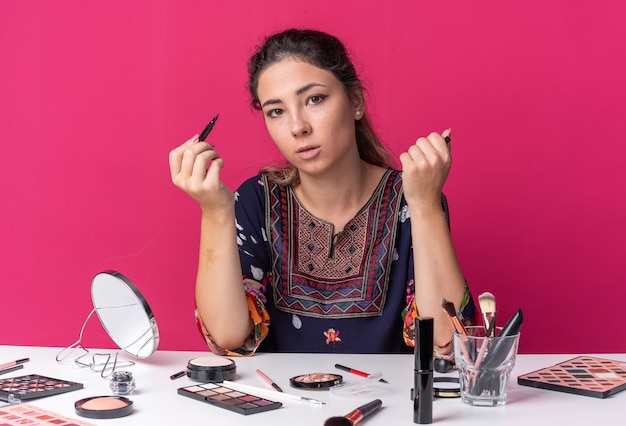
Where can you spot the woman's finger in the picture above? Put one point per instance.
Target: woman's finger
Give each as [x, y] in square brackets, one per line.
[202, 161]
[176, 155]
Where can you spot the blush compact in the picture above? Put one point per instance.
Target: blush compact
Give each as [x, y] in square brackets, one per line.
[104, 407]
[316, 380]
[211, 369]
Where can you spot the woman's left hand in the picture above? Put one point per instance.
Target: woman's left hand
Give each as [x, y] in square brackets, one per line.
[425, 168]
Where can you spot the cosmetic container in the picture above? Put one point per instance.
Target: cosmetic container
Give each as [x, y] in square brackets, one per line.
[122, 383]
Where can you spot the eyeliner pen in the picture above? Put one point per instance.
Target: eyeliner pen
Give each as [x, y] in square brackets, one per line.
[208, 129]
[178, 375]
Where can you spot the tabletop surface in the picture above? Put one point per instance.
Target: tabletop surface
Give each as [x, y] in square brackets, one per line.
[156, 400]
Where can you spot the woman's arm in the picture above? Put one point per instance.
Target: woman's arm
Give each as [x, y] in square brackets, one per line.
[220, 299]
[220, 296]
[437, 273]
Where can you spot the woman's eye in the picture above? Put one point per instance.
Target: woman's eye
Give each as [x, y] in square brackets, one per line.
[274, 112]
[316, 99]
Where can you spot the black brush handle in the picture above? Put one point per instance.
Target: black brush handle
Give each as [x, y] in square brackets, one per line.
[491, 330]
[370, 408]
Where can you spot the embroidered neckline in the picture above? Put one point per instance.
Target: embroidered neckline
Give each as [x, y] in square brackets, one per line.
[351, 283]
[375, 194]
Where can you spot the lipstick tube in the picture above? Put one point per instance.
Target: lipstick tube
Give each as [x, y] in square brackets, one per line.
[423, 372]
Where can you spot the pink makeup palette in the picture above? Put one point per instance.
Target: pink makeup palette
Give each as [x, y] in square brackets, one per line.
[584, 375]
[230, 399]
[34, 386]
[25, 414]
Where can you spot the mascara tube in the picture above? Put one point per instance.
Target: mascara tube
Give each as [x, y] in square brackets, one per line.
[423, 372]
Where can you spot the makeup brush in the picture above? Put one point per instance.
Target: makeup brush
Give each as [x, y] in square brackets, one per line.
[487, 302]
[457, 325]
[355, 416]
[452, 316]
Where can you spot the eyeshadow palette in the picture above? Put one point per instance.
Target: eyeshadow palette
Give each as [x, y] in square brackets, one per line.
[25, 414]
[584, 375]
[34, 386]
[230, 399]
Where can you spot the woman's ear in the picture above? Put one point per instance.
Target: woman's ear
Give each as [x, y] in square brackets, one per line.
[358, 102]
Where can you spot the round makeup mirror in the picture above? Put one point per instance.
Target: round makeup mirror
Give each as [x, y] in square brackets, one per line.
[124, 313]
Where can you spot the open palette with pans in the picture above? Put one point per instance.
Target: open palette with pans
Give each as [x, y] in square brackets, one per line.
[230, 399]
[34, 386]
[584, 375]
[25, 414]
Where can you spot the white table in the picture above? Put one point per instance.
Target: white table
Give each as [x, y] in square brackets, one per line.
[157, 403]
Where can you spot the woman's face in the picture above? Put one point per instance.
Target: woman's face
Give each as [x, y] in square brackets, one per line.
[308, 115]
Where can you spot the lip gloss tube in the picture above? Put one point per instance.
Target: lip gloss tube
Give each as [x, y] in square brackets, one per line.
[423, 372]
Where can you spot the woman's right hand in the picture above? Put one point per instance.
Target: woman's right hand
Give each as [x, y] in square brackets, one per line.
[195, 168]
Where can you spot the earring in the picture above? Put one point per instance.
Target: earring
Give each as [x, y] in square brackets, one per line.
[358, 113]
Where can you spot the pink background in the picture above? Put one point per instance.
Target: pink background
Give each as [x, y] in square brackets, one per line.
[93, 98]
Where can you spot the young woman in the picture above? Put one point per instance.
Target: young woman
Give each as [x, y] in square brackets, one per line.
[335, 250]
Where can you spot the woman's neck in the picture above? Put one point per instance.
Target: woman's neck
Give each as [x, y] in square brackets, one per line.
[338, 198]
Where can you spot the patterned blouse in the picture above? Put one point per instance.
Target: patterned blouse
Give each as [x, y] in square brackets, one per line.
[311, 289]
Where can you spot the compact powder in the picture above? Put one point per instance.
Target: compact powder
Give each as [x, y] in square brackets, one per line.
[316, 380]
[211, 369]
[104, 407]
[103, 403]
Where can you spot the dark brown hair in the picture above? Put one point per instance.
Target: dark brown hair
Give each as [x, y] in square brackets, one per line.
[323, 51]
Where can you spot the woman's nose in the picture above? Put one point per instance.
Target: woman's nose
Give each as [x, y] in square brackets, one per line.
[300, 126]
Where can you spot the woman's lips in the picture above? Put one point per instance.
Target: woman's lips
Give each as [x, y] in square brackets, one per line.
[307, 153]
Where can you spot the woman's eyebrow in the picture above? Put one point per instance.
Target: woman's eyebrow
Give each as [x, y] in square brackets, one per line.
[299, 92]
[307, 87]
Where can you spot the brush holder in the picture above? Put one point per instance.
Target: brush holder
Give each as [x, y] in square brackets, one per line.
[485, 365]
